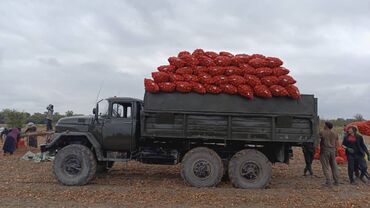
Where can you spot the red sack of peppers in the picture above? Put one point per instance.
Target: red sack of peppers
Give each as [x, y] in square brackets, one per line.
[262, 91]
[206, 61]
[160, 77]
[278, 91]
[246, 91]
[286, 80]
[211, 54]
[176, 77]
[222, 61]
[167, 86]
[213, 89]
[252, 80]
[205, 79]
[229, 89]
[233, 70]
[216, 70]
[198, 88]
[280, 71]
[263, 72]
[293, 92]
[236, 80]
[190, 60]
[183, 54]
[270, 80]
[248, 69]
[183, 87]
[258, 62]
[198, 53]
[201, 70]
[220, 80]
[228, 54]
[274, 62]
[151, 86]
[184, 70]
[174, 61]
[190, 78]
[166, 68]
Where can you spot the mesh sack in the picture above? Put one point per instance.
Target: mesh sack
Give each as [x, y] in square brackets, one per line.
[245, 91]
[151, 86]
[262, 91]
[160, 77]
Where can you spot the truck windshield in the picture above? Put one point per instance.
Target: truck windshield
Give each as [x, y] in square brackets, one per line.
[103, 108]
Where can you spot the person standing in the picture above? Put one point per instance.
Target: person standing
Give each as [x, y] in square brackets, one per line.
[49, 117]
[328, 147]
[308, 152]
[11, 141]
[32, 140]
[355, 151]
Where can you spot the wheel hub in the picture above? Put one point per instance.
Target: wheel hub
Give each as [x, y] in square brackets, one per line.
[72, 165]
[250, 171]
[202, 169]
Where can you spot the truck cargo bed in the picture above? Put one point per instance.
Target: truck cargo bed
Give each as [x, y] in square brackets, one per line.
[229, 117]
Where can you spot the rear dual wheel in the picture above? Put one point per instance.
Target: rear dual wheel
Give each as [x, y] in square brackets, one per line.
[202, 167]
[250, 169]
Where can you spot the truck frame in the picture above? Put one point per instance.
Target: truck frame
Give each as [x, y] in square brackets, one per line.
[211, 136]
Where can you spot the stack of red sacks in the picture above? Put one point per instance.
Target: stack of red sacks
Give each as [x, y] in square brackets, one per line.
[209, 72]
[341, 157]
[363, 127]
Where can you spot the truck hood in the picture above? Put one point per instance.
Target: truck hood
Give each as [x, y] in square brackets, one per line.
[74, 123]
[77, 120]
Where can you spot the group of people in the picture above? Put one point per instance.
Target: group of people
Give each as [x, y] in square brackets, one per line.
[12, 136]
[355, 149]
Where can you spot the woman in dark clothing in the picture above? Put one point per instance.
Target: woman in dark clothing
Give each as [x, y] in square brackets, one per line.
[355, 151]
[11, 141]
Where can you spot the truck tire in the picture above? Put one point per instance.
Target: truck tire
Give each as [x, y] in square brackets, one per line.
[74, 165]
[202, 167]
[103, 166]
[250, 169]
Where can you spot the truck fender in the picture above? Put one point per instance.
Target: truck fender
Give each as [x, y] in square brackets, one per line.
[57, 137]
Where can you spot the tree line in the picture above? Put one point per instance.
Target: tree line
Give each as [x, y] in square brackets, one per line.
[14, 118]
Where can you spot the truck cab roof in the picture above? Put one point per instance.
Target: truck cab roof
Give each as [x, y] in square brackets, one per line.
[123, 99]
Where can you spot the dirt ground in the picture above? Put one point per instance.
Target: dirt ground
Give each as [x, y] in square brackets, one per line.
[29, 184]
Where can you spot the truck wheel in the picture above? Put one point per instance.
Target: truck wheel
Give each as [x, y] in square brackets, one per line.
[75, 164]
[103, 166]
[202, 167]
[250, 169]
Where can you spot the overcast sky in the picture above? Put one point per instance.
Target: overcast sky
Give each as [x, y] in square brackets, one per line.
[61, 52]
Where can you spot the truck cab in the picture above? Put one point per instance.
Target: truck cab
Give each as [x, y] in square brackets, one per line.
[117, 123]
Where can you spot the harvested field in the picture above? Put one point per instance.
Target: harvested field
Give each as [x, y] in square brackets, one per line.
[29, 184]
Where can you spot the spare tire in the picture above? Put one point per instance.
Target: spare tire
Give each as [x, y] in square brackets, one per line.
[73, 165]
[250, 169]
[202, 167]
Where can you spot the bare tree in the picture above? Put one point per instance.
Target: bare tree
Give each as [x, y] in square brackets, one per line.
[358, 117]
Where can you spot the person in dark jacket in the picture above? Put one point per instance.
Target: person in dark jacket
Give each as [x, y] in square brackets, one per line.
[356, 149]
[11, 141]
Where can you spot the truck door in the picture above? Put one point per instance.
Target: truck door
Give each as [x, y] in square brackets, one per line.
[117, 128]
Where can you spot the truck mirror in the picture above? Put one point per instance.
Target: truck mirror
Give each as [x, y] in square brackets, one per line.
[94, 111]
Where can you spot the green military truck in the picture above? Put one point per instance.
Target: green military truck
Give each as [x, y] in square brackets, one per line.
[209, 135]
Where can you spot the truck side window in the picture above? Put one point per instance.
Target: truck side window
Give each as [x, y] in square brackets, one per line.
[121, 110]
[117, 110]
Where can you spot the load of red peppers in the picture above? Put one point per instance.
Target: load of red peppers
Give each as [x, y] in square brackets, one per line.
[210, 72]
